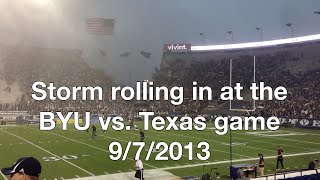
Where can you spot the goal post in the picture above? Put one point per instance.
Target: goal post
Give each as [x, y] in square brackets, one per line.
[231, 108]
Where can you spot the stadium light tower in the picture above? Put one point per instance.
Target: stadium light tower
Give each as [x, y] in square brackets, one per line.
[290, 25]
[204, 37]
[231, 34]
[260, 29]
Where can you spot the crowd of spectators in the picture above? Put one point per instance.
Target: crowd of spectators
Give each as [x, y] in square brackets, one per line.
[303, 87]
[67, 68]
[63, 68]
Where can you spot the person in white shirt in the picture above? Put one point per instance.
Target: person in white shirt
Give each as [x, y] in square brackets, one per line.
[139, 169]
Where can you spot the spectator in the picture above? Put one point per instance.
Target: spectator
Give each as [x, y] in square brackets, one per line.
[261, 164]
[240, 174]
[26, 168]
[312, 164]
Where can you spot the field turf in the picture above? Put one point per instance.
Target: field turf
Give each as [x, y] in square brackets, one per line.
[72, 153]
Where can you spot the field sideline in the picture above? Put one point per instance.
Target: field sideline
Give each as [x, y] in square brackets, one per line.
[72, 154]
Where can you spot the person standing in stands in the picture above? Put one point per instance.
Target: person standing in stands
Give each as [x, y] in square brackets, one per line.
[261, 164]
[280, 157]
[26, 168]
[312, 164]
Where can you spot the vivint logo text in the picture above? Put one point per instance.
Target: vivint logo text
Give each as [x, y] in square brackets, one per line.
[177, 47]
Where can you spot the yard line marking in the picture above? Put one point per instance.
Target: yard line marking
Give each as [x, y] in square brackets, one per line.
[62, 178]
[236, 160]
[77, 176]
[208, 140]
[88, 144]
[291, 140]
[4, 177]
[49, 152]
[265, 142]
[130, 170]
[159, 139]
[303, 133]
[127, 141]
[234, 138]
[105, 172]
[119, 171]
[193, 146]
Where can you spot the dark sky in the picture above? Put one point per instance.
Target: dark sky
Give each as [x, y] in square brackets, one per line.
[148, 24]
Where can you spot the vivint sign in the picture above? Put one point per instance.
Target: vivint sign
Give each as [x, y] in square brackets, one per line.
[177, 47]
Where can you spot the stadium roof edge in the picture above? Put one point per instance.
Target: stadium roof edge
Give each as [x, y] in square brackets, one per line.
[300, 39]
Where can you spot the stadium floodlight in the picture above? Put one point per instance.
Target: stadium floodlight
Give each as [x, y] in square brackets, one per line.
[260, 29]
[231, 34]
[203, 36]
[290, 25]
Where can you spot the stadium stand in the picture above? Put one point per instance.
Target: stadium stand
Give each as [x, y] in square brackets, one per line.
[294, 66]
[22, 66]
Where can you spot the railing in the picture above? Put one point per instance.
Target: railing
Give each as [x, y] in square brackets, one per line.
[289, 174]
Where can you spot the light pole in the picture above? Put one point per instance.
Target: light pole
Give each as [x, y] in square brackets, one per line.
[203, 37]
[231, 34]
[260, 29]
[290, 25]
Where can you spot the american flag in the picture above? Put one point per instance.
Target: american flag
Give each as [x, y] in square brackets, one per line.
[100, 26]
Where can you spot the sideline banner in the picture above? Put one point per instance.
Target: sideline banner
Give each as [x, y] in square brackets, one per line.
[305, 123]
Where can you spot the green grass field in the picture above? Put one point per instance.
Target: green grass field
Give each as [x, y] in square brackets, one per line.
[71, 153]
